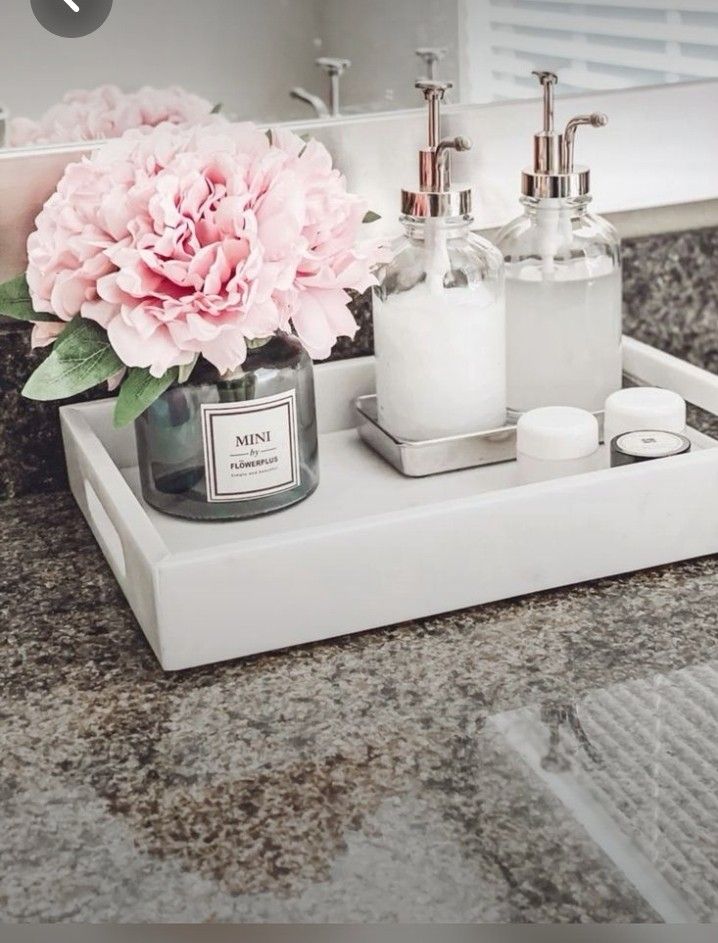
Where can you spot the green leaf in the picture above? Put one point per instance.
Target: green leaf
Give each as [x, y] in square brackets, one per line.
[15, 301]
[371, 217]
[217, 108]
[139, 390]
[82, 358]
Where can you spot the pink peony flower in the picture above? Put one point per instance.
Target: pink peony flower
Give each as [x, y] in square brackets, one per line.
[190, 241]
[45, 333]
[107, 112]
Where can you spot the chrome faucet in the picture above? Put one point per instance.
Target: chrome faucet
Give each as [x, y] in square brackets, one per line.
[335, 69]
[431, 56]
[302, 95]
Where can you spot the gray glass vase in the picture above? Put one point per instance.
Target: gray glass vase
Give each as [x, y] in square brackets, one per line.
[233, 446]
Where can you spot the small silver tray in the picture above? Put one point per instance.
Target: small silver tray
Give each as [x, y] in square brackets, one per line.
[435, 456]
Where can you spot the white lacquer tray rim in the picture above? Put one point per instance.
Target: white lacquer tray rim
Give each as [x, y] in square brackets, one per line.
[368, 551]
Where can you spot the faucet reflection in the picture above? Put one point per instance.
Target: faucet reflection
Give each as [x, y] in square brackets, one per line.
[431, 56]
[636, 764]
[335, 69]
[302, 95]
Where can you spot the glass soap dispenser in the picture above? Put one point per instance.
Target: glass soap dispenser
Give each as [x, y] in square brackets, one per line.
[563, 280]
[439, 332]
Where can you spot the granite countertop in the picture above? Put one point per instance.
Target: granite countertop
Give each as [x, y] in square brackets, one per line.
[546, 759]
[478, 766]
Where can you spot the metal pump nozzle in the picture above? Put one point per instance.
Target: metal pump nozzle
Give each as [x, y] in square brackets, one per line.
[436, 196]
[554, 174]
[547, 81]
[596, 120]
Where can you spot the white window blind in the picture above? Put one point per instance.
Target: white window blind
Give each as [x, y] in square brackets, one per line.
[603, 44]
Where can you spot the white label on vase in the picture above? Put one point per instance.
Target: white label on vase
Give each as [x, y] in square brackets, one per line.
[251, 448]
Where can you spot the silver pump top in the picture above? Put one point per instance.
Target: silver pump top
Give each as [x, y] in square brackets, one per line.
[436, 197]
[554, 174]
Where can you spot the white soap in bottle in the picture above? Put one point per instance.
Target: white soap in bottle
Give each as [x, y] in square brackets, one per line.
[439, 312]
[563, 280]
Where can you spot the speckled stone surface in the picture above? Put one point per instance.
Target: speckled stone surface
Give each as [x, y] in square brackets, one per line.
[370, 778]
[31, 453]
[671, 294]
[670, 300]
[360, 779]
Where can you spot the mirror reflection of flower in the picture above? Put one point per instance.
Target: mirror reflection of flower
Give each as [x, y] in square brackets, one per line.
[107, 112]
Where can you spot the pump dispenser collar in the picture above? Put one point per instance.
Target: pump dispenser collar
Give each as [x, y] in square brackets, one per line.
[436, 197]
[554, 174]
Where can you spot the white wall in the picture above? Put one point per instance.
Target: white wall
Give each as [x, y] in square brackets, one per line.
[380, 37]
[245, 53]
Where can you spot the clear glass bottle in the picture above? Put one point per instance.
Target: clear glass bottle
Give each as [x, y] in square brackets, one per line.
[233, 446]
[439, 333]
[563, 281]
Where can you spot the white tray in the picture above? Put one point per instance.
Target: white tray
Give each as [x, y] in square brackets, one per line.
[372, 548]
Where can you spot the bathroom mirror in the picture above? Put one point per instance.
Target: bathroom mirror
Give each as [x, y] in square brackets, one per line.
[294, 60]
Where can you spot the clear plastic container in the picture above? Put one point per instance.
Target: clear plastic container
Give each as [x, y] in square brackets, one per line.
[563, 306]
[439, 333]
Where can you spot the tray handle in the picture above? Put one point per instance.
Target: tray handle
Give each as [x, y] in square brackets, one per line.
[105, 532]
[130, 543]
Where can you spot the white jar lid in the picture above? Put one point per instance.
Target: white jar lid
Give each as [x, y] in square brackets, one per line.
[557, 433]
[644, 407]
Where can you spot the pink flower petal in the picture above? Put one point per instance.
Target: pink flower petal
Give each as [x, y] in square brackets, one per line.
[186, 240]
[157, 352]
[321, 317]
[101, 311]
[45, 332]
[227, 352]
